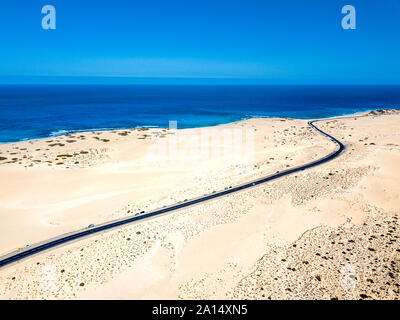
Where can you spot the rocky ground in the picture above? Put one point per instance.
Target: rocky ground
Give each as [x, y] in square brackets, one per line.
[349, 262]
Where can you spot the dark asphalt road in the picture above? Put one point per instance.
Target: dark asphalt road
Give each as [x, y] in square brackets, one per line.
[35, 249]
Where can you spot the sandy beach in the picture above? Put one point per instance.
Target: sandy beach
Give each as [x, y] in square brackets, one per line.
[330, 232]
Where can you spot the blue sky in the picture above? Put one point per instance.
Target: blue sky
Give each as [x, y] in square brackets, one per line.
[200, 41]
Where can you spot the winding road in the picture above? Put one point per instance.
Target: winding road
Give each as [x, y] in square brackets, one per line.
[20, 254]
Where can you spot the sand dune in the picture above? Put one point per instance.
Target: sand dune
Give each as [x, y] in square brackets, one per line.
[328, 232]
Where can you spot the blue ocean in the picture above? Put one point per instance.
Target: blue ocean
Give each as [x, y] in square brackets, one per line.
[39, 111]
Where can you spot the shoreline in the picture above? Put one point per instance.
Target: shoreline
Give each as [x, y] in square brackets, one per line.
[205, 126]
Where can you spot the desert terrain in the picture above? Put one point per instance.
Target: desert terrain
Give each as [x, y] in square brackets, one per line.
[330, 232]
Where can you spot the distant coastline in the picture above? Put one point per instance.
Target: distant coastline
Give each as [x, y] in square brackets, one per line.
[44, 111]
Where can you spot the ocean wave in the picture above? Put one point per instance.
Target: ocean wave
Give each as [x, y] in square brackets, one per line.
[59, 133]
[63, 131]
[147, 127]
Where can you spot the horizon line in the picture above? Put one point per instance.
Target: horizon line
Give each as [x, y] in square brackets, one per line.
[125, 80]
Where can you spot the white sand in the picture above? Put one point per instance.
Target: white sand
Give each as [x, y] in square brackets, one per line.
[226, 248]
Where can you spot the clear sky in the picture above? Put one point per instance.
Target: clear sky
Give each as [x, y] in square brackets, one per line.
[215, 41]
